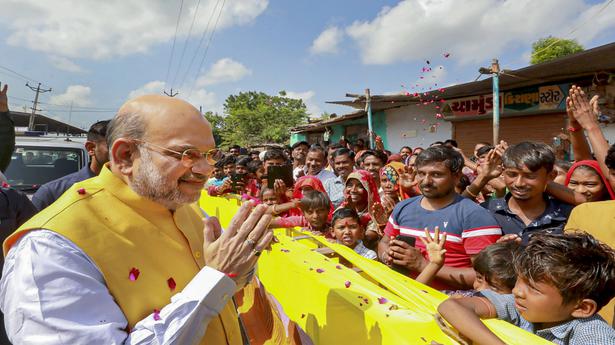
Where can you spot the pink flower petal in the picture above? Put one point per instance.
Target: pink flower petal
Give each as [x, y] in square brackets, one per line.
[347, 283]
[81, 191]
[157, 315]
[171, 283]
[446, 55]
[338, 267]
[319, 270]
[133, 275]
[382, 300]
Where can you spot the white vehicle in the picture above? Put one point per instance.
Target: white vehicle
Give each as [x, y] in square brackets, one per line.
[38, 160]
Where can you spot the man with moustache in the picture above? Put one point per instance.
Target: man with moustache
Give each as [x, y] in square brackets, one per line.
[315, 162]
[343, 162]
[526, 208]
[469, 227]
[126, 257]
[298, 152]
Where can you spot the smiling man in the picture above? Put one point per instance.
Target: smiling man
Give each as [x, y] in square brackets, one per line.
[315, 162]
[526, 209]
[125, 257]
[469, 227]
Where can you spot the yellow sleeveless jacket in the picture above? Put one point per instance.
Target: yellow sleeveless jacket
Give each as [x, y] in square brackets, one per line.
[123, 232]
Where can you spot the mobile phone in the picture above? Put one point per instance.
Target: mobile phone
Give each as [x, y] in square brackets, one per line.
[411, 242]
[408, 239]
[282, 172]
[235, 180]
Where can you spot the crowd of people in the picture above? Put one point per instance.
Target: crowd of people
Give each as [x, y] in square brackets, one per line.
[497, 225]
[508, 231]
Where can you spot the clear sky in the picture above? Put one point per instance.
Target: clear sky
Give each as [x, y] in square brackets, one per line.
[97, 54]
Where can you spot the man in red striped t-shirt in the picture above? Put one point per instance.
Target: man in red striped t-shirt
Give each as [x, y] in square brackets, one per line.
[469, 227]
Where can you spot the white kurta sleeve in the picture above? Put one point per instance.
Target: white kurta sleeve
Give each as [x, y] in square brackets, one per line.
[51, 292]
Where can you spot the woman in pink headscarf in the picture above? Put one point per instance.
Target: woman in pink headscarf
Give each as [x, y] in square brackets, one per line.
[361, 194]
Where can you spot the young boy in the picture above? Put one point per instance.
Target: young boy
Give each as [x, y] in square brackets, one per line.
[217, 176]
[562, 282]
[315, 207]
[347, 229]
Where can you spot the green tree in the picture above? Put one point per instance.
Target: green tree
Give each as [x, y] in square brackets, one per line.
[217, 125]
[257, 118]
[546, 49]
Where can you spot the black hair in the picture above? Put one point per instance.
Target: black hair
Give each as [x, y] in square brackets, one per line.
[453, 142]
[576, 263]
[610, 157]
[343, 151]
[406, 147]
[562, 164]
[464, 182]
[263, 190]
[314, 199]
[299, 143]
[318, 148]
[254, 165]
[255, 152]
[335, 146]
[483, 150]
[436, 143]
[274, 154]
[235, 147]
[345, 212]
[533, 155]
[243, 161]
[230, 159]
[494, 263]
[440, 153]
[378, 154]
[98, 131]
[362, 142]
[219, 164]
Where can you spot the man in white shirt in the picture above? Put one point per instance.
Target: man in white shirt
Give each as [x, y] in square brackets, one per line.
[315, 163]
[54, 291]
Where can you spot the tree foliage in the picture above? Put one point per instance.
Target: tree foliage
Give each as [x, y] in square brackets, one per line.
[217, 125]
[549, 48]
[257, 118]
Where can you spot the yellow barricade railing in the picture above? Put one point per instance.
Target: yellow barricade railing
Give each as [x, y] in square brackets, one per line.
[337, 296]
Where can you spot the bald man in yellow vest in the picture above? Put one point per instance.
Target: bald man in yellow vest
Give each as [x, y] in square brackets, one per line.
[126, 257]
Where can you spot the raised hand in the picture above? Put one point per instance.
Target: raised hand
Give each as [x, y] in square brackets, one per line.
[379, 214]
[407, 178]
[435, 246]
[492, 167]
[236, 250]
[582, 110]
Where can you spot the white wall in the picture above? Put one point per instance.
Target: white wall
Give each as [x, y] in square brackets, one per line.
[410, 126]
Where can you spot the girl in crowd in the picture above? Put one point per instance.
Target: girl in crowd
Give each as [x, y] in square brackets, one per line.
[586, 178]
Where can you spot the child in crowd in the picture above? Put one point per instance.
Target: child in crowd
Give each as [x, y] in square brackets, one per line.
[349, 231]
[268, 197]
[217, 176]
[494, 270]
[562, 282]
[315, 207]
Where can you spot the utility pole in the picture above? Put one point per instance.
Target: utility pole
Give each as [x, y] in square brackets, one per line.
[368, 110]
[38, 90]
[495, 73]
[171, 94]
[70, 115]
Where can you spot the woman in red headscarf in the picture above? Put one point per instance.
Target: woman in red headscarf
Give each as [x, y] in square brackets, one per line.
[586, 178]
[361, 194]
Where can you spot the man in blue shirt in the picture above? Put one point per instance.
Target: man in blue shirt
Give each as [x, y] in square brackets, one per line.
[526, 209]
[343, 162]
[96, 145]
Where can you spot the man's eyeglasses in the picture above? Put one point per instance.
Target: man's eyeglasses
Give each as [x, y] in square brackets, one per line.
[190, 157]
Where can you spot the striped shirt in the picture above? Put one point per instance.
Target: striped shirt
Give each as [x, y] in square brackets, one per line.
[469, 228]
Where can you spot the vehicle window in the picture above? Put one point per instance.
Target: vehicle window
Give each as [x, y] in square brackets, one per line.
[33, 166]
